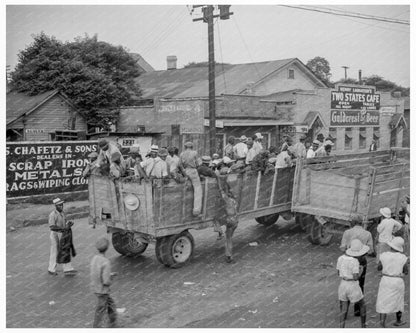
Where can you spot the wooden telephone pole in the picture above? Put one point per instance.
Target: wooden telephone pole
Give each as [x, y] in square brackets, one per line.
[208, 17]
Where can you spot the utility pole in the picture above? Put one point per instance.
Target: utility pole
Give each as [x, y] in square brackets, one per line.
[208, 17]
[345, 71]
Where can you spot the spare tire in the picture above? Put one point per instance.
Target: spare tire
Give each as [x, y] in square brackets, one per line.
[267, 220]
[125, 244]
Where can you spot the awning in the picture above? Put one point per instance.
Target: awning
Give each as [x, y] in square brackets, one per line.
[311, 118]
[397, 120]
[254, 122]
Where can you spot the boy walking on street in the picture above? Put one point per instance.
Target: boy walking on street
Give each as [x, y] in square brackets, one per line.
[101, 279]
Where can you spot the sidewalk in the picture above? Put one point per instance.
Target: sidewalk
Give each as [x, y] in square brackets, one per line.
[27, 214]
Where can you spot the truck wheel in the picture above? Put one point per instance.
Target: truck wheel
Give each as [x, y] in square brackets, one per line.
[317, 233]
[268, 219]
[158, 247]
[125, 244]
[303, 220]
[176, 250]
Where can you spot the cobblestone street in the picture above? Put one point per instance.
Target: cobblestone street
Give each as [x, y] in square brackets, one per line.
[282, 282]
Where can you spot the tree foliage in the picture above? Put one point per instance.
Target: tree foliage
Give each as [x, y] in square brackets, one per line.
[320, 67]
[97, 77]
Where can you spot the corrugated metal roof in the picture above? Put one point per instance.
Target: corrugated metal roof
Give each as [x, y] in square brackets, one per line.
[193, 82]
[18, 104]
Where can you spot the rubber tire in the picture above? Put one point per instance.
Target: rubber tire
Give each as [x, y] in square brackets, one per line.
[267, 220]
[303, 220]
[317, 234]
[167, 247]
[125, 244]
[159, 244]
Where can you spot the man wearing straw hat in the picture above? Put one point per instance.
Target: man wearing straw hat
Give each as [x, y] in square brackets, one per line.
[386, 229]
[240, 149]
[390, 297]
[311, 153]
[349, 291]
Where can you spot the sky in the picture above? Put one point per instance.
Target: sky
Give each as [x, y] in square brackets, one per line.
[254, 33]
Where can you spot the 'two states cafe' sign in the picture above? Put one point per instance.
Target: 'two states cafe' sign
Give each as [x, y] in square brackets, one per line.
[355, 106]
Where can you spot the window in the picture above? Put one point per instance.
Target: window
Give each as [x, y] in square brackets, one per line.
[348, 138]
[393, 137]
[332, 135]
[362, 142]
[291, 74]
[376, 134]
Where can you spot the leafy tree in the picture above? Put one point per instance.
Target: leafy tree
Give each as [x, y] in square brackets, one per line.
[96, 76]
[320, 67]
[385, 85]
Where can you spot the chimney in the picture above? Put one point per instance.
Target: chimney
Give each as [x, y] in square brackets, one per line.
[359, 77]
[171, 60]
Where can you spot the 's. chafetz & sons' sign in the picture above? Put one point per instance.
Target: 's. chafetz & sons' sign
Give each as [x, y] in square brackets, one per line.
[35, 168]
[355, 98]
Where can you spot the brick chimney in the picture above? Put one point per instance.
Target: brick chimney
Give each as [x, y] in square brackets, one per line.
[171, 61]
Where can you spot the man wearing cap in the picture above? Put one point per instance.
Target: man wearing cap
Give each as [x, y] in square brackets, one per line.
[299, 149]
[149, 162]
[58, 224]
[257, 145]
[240, 149]
[133, 159]
[92, 167]
[349, 291]
[390, 298]
[386, 228]
[312, 150]
[109, 154]
[101, 279]
[204, 169]
[321, 138]
[325, 149]
[189, 161]
[160, 170]
[229, 148]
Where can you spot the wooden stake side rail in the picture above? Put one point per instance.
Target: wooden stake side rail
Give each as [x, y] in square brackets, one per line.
[339, 188]
[167, 209]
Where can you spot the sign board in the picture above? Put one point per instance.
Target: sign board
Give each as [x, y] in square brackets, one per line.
[191, 129]
[351, 118]
[47, 167]
[387, 110]
[294, 129]
[218, 123]
[355, 98]
[144, 143]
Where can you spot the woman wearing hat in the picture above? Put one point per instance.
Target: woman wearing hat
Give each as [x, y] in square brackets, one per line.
[386, 229]
[390, 297]
[349, 291]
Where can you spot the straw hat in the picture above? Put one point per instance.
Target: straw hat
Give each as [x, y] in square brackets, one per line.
[206, 159]
[154, 148]
[102, 244]
[131, 202]
[328, 143]
[357, 249]
[163, 152]
[115, 156]
[189, 144]
[396, 243]
[385, 211]
[92, 155]
[57, 201]
[316, 142]
[259, 136]
[243, 138]
[102, 142]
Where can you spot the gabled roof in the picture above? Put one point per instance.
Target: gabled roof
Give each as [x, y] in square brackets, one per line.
[229, 79]
[144, 65]
[398, 119]
[19, 104]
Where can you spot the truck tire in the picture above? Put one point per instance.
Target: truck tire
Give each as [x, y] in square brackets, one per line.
[158, 247]
[176, 250]
[125, 244]
[303, 220]
[317, 233]
[268, 219]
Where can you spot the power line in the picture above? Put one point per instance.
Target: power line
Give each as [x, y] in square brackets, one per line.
[350, 14]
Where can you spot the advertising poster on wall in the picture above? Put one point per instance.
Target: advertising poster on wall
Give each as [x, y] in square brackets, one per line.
[39, 168]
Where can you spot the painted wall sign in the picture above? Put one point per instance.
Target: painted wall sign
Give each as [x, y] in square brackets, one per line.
[294, 129]
[355, 98]
[350, 118]
[47, 167]
[35, 130]
[218, 123]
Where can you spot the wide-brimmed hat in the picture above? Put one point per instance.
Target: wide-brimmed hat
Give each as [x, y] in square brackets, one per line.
[206, 159]
[396, 243]
[102, 142]
[328, 143]
[316, 142]
[385, 211]
[163, 152]
[154, 148]
[102, 244]
[243, 138]
[357, 249]
[227, 160]
[215, 156]
[189, 144]
[259, 136]
[131, 202]
[57, 201]
[93, 154]
[115, 156]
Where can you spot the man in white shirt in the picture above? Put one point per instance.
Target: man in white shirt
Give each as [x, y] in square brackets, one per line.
[325, 149]
[240, 149]
[312, 149]
[251, 152]
[385, 230]
[149, 162]
[299, 149]
[258, 145]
